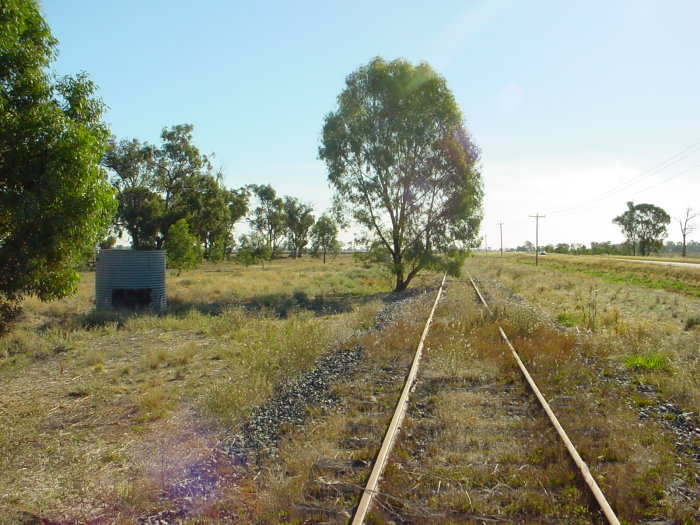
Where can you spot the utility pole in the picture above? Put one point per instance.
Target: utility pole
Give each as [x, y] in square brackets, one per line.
[486, 245]
[500, 224]
[537, 237]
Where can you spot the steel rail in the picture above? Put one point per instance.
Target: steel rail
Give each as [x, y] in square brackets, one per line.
[583, 468]
[389, 438]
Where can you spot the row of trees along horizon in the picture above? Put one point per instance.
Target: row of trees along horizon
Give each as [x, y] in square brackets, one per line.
[170, 196]
[645, 226]
[603, 248]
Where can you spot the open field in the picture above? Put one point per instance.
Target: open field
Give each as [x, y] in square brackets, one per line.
[110, 417]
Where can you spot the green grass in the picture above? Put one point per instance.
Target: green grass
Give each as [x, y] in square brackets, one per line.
[654, 361]
[615, 319]
[640, 278]
[565, 319]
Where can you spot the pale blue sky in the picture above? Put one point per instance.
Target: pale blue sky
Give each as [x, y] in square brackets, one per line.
[567, 100]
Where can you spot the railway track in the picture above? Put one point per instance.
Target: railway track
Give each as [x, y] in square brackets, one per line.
[583, 470]
[448, 432]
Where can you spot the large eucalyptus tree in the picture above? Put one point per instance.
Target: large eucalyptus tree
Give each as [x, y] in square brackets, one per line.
[404, 167]
[645, 227]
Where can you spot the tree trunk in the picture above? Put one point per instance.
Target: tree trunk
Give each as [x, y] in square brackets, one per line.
[398, 267]
[401, 285]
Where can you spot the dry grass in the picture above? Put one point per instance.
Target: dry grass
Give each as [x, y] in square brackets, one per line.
[274, 495]
[102, 410]
[485, 453]
[92, 399]
[625, 329]
[480, 448]
[625, 322]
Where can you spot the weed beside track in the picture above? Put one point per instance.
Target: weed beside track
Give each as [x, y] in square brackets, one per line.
[645, 448]
[477, 448]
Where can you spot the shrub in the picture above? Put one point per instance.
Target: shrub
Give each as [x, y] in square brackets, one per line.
[182, 249]
[564, 319]
[692, 322]
[25, 343]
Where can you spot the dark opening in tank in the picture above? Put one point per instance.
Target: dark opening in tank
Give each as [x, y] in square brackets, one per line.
[131, 299]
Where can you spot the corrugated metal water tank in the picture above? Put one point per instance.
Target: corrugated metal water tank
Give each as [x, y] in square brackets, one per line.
[130, 279]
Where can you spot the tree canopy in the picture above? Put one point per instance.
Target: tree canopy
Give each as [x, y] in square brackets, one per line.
[268, 218]
[324, 237]
[55, 201]
[158, 186]
[644, 226]
[404, 167]
[298, 219]
[629, 226]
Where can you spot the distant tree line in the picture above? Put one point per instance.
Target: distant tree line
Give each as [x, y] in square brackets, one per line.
[604, 248]
[596, 248]
[679, 247]
[279, 223]
[644, 225]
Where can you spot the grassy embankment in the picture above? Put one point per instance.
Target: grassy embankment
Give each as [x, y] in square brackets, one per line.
[685, 280]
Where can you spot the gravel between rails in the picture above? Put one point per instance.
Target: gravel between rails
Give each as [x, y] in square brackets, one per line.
[258, 438]
[260, 435]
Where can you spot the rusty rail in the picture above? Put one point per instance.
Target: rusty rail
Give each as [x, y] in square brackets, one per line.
[371, 488]
[583, 468]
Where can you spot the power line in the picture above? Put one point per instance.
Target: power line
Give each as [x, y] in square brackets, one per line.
[668, 179]
[690, 150]
[591, 208]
